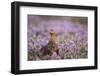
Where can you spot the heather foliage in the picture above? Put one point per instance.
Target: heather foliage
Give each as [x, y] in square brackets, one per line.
[71, 37]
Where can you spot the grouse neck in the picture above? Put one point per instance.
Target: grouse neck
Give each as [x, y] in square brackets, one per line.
[52, 37]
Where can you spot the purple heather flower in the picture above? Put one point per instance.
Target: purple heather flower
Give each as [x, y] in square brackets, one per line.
[55, 56]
